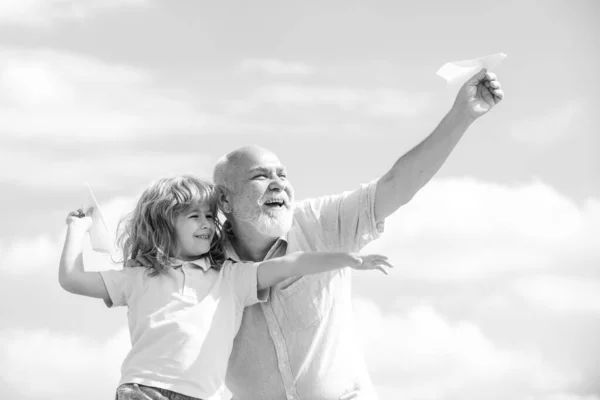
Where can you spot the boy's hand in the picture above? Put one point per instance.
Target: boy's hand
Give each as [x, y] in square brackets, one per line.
[80, 220]
[371, 261]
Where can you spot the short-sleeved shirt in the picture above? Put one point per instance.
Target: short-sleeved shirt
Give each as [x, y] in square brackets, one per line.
[302, 343]
[182, 322]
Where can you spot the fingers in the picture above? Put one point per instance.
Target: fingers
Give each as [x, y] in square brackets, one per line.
[78, 213]
[349, 396]
[490, 89]
[379, 267]
[498, 94]
[490, 76]
[133, 263]
[145, 261]
[376, 261]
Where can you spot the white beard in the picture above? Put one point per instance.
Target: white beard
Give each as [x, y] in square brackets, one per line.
[274, 226]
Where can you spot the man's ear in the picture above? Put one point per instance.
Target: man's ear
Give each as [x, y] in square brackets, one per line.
[223, 197]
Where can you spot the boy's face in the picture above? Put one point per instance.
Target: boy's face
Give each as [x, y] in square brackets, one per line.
[194, 229]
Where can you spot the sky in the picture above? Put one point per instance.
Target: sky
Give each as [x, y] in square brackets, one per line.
[496, 290]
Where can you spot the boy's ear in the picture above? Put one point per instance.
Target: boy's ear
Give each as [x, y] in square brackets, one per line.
[223, 196]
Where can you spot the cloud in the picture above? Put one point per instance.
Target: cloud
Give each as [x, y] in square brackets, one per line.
[559, 293]
[41, 364]
[376, 102]
[550, 127]
[43, 13]
[275, 67]
[39, 255]
[463, 229]
[101, 170]
[436, 359]
[58, 95]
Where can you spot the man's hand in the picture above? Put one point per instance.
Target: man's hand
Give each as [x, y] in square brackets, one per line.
[371, 261]
[479, 95]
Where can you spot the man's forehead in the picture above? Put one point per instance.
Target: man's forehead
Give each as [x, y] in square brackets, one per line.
[265, 166]
[248, 161]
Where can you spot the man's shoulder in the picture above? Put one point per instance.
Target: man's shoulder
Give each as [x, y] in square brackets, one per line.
[311, 205]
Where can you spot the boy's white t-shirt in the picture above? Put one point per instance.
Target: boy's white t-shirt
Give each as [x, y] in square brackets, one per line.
[182, 322]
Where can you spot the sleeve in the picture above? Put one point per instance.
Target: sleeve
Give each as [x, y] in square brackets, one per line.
[243, 278]
[346, 222]
[118, 285]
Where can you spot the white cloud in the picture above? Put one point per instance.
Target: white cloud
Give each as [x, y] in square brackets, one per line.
[376, 102]
[99, 170]
[549, 127]
[276, 67]
[40, 255]
[436, 359]
[47, 93]
[563, 294]
[13, 260]
[45, 12]
[50, 365]
[462, 229]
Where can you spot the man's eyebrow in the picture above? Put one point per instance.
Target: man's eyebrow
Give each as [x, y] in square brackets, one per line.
[266, 170]
[258, 169]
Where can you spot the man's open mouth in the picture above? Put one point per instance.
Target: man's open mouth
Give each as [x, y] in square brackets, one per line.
[274, 203]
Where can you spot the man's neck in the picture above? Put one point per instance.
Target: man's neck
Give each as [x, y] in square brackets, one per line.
[251, 245]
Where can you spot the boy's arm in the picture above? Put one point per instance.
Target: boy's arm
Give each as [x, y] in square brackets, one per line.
[273, 271]
[71, 274]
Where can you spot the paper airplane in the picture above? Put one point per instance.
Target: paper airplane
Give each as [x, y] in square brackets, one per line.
[102, 240]
[462, 70]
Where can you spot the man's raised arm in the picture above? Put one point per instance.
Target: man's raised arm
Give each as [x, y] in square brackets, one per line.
[414, 169]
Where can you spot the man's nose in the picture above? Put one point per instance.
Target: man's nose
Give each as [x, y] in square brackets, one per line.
[277, 184]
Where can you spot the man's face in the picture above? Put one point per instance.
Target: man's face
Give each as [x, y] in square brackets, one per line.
[195, 229]
[262, 195]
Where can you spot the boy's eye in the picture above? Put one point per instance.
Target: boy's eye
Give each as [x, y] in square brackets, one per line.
[209, 216]
[194, 216]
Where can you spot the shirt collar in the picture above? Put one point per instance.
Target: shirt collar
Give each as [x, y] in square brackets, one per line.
[201, 262]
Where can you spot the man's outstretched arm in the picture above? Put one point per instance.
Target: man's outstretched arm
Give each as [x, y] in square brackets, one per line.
[414, 169]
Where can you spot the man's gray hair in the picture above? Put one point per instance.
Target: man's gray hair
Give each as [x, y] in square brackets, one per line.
[221, 175]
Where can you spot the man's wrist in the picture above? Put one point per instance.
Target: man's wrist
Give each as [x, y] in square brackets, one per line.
[357, 260]
[460, 116]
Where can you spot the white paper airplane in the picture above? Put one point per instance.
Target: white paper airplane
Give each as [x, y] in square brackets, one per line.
[462, 70]
[102, 240]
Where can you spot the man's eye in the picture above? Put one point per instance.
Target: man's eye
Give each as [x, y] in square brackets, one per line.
[194, 216]
[260, 176]
[209, 216]
[283, 176]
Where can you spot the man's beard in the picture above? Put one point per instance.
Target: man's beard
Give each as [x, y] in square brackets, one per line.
[274, 226]
[269, 225]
